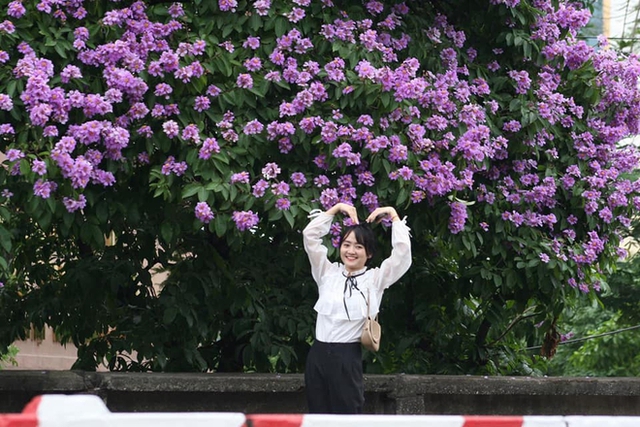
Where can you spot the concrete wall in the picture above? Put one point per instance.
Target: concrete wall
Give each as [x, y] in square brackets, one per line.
[273, 393]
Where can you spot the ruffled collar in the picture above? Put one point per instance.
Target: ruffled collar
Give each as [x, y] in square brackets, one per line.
[357, 273]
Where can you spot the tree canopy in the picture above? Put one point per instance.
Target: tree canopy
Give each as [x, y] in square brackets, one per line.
[193, 139]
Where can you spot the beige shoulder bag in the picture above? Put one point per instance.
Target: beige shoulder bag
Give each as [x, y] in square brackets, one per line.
[372, 331]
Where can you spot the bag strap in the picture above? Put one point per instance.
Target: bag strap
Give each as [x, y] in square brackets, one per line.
[368, 299]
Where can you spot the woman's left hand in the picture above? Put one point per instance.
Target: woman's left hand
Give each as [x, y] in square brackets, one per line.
[381, 212]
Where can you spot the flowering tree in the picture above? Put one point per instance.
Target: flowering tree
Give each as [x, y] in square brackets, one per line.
[195, 137]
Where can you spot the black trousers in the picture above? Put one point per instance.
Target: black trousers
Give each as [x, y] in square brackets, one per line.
[333, 378]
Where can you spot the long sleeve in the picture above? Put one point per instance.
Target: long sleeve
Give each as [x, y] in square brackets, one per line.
[316, 251]
[398, 263]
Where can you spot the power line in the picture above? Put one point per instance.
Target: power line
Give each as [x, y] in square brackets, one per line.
[537, 347]
[626, 13]
[608, 38]
[635, 24]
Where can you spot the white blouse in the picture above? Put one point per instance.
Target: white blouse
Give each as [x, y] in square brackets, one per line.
[334, 323]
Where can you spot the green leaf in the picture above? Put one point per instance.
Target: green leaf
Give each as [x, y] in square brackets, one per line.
[60, 50]
[102, 212]
[166, 231]
[255, 22]
[11, 87]
[203, 194]
[281, 26]
[45, 220]
[219, 225]
[289, 217]
[169, 315]
[403, 196]
[5, 239]
[191, 189]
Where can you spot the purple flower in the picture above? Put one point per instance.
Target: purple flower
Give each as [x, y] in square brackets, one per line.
[329, 197]
[271, 170]
[262, 7]
[458, 217]
[606, 214]
[259, 188]
[191, 133]
[171, 128]
[16, 9]
[6, 103]
[253, 64]
[298, 179]
[14, 154]
[73, 205]
[213, 91]
[244, 81]
[227, 5]
[295, 15]
[104, 178]
[283, 204]
[179, 168]
[39, 167]
[203, 212]
[175, 10]
[512, 126]
[370, 201]
[209, 146]
[70, 72]
[167, 167]
[201, 104]
[280, 188]
[523, 82]
[240, 177]
[252, 43]
[253, 127]
[43, 188]
[273, 76]
[163, 89]
[365, 70]
[321, 181]
[245, 220]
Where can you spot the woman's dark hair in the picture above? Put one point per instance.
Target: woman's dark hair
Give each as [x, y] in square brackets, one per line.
[364, 235]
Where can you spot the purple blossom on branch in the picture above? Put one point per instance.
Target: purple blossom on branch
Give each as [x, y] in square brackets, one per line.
[245, 220]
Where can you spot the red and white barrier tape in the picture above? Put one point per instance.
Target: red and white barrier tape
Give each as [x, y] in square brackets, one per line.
[90, 411]
[312, 420]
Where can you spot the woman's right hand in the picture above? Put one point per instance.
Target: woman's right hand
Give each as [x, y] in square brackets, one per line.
[345, 209]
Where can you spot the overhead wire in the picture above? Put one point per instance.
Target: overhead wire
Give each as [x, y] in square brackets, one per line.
[626, 14]
[589, 337]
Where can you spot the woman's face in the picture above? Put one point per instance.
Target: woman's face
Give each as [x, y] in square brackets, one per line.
[353, 255]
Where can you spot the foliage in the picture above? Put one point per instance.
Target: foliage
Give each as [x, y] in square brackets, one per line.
[603, 340]
[607, 350]
[9, 356]
[193, 139]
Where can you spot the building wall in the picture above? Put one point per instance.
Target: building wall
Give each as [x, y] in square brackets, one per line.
[43, 351]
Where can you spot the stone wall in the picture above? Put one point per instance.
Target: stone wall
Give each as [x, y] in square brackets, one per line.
[385, 394]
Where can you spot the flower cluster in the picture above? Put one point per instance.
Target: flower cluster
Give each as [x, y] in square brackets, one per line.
[245, 111]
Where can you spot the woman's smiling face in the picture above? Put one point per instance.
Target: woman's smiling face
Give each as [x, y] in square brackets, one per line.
[353, 254]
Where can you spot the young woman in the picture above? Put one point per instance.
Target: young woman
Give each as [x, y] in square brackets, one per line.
[333, 374]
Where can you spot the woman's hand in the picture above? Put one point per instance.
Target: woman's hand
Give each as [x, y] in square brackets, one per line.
[345, 209]
[382, 212]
